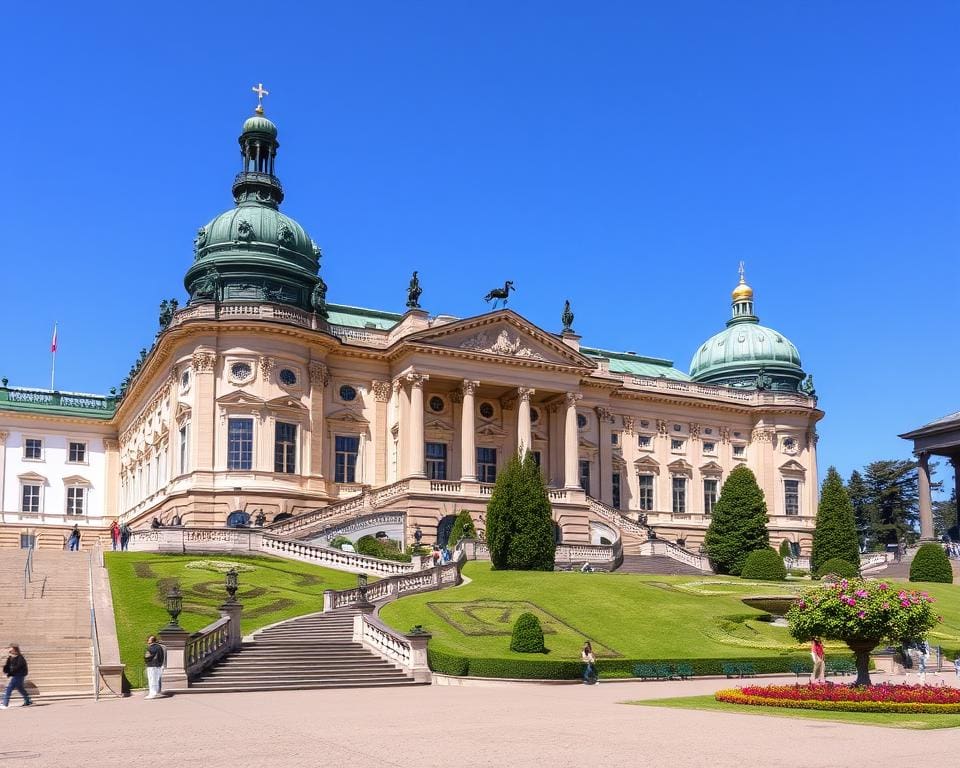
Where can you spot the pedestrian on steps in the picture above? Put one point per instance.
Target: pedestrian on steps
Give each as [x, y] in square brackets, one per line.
[155, 657]
[124, 537]
[115, 535]
[74, 540]
[16, 669]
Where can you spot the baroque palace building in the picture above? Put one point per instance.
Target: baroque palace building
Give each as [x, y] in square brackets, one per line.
[260, 398]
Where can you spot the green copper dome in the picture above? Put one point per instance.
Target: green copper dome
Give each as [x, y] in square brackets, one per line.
[253, 252]
[747, 354]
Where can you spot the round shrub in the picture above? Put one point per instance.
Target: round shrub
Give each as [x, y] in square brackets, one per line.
[384, 549]
[764, 565]
[931, 564]
[838, 566]
[527, 635]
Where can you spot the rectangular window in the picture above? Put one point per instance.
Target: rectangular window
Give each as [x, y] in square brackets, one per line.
[679, 495]
[709, 449]
[487, 465]
[645, 442]
[436, 455]
[184, 449]
[285, 448]
[615, 438]
[676, 446]
[75, 500]
[709, 495]
[77, 453]
[30, 498]
[346, 449]
[791, 497]
[645, 483]
[585, 475]
[240, 444]
[739, 451]
[33, 449]
[616, 490]
[28, 541]
[537, 458]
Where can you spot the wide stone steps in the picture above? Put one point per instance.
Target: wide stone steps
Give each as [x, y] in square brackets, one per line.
[311, 652]
[657, 564]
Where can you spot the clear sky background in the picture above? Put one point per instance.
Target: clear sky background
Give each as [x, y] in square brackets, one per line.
[623, 155]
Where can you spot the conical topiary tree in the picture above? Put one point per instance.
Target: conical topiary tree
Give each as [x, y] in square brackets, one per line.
[835, 534]
[520, 519]
[739, 523]
[463, 528]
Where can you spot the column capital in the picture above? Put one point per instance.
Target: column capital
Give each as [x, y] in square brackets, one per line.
[524, 393]
[923, 457]
[381, 390]
[319, 374]
[573, 398]
[416, 380]
[470, 386]
[605, 414]
[3, 437]
[203, 361]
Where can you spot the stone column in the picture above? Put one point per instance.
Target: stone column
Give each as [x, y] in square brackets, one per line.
[232, 610]
[605, 421]
[418, 656]
[319, 378]
[203, 438]
[524, 430]
[926, 509]
[571, 442]
[955, 461]
[415, 443]
[468, 448]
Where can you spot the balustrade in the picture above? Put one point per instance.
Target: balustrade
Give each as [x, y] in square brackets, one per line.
[207, 646]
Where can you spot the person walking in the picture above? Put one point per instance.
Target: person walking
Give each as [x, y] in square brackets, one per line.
[818, 673]
[74, 540]
[115, 535]
[154, 657]
[124, 537]
[923, 658]
[590, 673]
[15, 668]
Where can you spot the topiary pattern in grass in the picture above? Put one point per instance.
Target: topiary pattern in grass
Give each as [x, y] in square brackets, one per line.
[738, 525]
[764, 565]
[835, 533]
[931, 563]
[837, 567]
[527, 635]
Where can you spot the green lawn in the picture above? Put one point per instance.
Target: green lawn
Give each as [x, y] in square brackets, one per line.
[273, 590]
[892, 720]
[625, 615]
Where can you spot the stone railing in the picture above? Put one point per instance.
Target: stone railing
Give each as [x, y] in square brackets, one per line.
[389, 588]
[385, 519]
[406, 651]
[615, 516]
[207, 646]
[486, 489]
[557, 494]
[797, 563]
[444, 486]
[606, 557]
[362, 336]
[189, 655]
[727, 394]
[384, 495]
[676, 552]
[50, 397]
[333, 558]
[874, 560]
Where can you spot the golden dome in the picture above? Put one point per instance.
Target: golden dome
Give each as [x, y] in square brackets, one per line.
[742, 292]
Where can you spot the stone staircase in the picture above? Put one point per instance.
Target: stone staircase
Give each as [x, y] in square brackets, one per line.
[308, 652]
[52, 624]
[659, 564]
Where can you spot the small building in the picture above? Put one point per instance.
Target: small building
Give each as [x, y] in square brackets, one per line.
[938, 438]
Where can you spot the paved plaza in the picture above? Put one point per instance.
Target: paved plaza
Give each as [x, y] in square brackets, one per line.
[548, 726]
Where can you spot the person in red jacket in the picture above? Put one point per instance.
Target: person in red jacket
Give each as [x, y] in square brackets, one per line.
[819, 666]
[115, 535]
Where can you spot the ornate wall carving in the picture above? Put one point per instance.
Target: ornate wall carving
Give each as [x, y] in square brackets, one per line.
[381, 391]
[507, 344]
[203, 362]
[319, 374]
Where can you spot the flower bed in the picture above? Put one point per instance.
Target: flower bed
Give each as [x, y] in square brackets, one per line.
[877, 698]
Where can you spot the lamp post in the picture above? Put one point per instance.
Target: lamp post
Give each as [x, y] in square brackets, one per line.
[233, 583]
[364, 605]
[174, 607]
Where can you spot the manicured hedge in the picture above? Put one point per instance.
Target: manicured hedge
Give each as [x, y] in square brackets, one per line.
[448, 663]
[764, 565]
[527, 635]
[839, 567]
[383, 549]
[931, 563]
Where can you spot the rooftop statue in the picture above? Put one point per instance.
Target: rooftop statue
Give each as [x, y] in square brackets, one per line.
[567, 317]
[500, 294]
[806, 386]
[207, 286]
[413, 292]
[318, 299]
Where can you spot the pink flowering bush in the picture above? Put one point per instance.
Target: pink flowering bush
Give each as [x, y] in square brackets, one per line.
[862, 614]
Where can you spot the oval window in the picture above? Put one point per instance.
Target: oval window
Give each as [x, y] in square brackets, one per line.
[534, 415]
[288, 377]
[436, 404]
[486, 410]
[581, 420]
[348, 393]
[241, 371]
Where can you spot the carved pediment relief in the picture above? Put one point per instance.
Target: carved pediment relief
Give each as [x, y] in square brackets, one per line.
[32, 477]
[437, 425]
[793, 467]
[286, 404]
[182, 412]
[711, 468]
[586, 445]
[646, 464]
[680, 467]
[239, 397]
[490, 430]
[502, 334]
[348, 417]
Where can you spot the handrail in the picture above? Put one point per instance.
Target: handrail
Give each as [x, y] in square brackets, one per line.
[93, 628]
[27, 571]
[207, 646]
[392, 587]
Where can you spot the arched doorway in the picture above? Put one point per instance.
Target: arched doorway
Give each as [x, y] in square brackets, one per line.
[238, 519]
[282, 516]
[444, 528]
[557, 533]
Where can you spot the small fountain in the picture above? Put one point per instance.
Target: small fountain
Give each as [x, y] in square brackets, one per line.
[776, 605]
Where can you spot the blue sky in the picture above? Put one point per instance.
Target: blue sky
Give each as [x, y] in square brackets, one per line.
[623, 155]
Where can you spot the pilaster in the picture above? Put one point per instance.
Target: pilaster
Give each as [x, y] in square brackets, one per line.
[381, 393]
[111, 496]
[204, 439]
[319, 379]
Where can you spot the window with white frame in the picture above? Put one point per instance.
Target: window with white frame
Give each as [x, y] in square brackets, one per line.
[33, 449]
[645, 442]
[486, 464]
[710, 494]
[240, 444]
[76, 500]
[677, 446]
[77, 453]
[184, 449]
[791, 497]
[285, 448]
[679, 484]
[709, 448]
[739, 451]
[346, 450]
[645, 495]
[616, 490]
[436, 458]
[30, 497]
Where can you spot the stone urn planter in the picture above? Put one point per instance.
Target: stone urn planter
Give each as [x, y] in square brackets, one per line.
[776, 605]
[861, 651]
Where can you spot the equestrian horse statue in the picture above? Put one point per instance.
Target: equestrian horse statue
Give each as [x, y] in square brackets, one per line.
[500, 294]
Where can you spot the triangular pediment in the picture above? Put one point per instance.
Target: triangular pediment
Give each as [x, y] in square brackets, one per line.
[792, 466]
[239, 397]
[32, 477]
[286, 404]
[680, 467]
[437, 425]
[586, 445]
[647, 464]
[501, 334]
[711, 468]
[490, 430]
[75, 480]
[182, 412]
[346, 416]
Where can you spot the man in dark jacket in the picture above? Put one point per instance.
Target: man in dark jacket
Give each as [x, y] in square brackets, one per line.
[16, 669]
[155, 657]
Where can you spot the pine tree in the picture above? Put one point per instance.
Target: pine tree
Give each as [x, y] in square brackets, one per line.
[520, 519]
[739, 523]
[945, 517]
[892, 489]
[463, 528]
[835, 534]
[863, 512]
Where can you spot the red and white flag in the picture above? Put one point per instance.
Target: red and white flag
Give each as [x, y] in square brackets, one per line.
[53, 341]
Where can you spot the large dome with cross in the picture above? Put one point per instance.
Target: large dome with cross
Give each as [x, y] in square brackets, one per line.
[253, 252]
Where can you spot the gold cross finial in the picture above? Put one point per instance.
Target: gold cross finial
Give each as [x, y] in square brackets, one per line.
[742, 280]
[261, 92]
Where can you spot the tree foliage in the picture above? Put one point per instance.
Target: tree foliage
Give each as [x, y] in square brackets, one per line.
[527, 635]
[738, 525]
[838, 566]
[862, 509]
[945, 517]
[764, 565]
[463, 528]
[892, 499]
[835, 534]
[931, 563]
[520, 519]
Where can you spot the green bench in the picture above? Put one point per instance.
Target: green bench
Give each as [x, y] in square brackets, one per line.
[739, 669]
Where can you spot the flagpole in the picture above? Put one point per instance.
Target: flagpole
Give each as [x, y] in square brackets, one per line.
[53, 357]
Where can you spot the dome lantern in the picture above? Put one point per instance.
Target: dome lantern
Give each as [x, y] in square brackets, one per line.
[742, 298]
